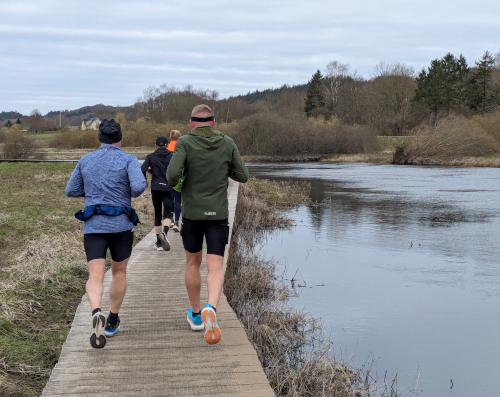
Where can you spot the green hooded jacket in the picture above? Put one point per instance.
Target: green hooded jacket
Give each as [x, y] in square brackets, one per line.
[205, 159]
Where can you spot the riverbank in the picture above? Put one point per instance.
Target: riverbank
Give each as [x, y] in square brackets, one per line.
[43, 270]
[297, 359]
[384, 156]
[379, 158]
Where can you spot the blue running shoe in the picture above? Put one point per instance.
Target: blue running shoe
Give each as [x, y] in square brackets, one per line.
[111, 329]
[212, 330]
[195, 321]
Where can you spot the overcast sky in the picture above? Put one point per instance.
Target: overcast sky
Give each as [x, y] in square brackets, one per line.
[68, 54]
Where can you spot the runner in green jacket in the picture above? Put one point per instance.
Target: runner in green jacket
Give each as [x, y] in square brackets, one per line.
[203, 160]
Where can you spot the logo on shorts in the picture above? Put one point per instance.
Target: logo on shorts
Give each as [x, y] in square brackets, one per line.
[210, 213]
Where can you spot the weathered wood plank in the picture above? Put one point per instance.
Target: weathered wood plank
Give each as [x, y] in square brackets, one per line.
[155, 353]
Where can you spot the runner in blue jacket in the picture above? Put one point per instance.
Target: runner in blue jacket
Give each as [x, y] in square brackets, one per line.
[107, 178]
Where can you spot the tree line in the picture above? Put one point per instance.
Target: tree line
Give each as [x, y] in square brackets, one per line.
[396, 100]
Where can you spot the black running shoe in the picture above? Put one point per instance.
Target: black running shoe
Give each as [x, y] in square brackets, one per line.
[164, 241]
[97, 337]
[158, 246]
[111, 329]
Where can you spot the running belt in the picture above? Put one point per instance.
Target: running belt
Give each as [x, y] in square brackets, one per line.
[99, 209]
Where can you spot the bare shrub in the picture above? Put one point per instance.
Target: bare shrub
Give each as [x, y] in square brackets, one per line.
[271, 133]
[134, 133]
[2, 134]
[20, 146]
[144, 132]
[451, 137]
[490, 122]
[71, 138]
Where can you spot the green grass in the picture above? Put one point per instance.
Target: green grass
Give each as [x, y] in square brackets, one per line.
[281, 195]
[32, 200]
[43, 133]
[390, 142]
[33, 203]
[42, 270]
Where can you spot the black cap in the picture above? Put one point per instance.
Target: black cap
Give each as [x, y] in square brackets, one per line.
[110, 131]
[161, 141]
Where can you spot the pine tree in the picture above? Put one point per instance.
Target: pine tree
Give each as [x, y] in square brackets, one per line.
[482, 93]
[315, 100]
[8, 124]
[18, 121]
[443, 85]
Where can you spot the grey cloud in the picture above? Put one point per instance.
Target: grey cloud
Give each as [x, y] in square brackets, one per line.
[68, 55]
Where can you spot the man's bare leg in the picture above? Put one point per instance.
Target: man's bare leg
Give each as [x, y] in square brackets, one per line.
[166, 222]
[118, 286]
[94, 290]
[215, 278]
[94, 286]
[193, 279]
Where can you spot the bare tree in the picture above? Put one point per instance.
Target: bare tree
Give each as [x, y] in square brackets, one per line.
[388, 98]
[335, 76]
[36, 121]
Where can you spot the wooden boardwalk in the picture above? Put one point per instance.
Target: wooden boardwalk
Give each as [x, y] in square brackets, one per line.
[155, 353]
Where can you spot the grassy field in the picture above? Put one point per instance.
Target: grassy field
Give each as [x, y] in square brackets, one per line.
[43, 133]
[42, 270]
[388, 143]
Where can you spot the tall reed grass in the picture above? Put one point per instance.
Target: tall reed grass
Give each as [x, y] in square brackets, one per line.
[451, 137]
[490, 122]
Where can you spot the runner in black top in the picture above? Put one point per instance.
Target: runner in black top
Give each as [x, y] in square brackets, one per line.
[161, 192]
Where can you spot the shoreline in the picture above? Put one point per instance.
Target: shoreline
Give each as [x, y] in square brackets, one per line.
[285, 339]
[376, 158]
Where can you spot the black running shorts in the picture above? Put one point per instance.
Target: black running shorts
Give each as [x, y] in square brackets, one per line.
[119, 244]
[162, 198]
[216, 235]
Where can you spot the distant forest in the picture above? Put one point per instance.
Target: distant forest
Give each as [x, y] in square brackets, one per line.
[394, 101]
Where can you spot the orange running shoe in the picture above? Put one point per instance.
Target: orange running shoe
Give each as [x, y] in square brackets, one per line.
[212, 330]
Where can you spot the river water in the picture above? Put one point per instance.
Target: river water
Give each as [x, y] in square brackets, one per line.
[402, 264]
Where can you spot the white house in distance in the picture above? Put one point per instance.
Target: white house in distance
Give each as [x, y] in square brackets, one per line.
[91, 123]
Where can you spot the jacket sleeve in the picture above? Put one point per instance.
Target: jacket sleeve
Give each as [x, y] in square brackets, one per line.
[145, 166]
[176, 167]
[75, 187]
[238, 170]
[137, 180]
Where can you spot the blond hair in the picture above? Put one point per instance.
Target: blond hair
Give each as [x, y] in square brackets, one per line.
[174, 135]
[202, 111]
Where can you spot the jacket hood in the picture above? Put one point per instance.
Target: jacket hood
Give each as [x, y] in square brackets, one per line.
[207, 138]
[162, 151]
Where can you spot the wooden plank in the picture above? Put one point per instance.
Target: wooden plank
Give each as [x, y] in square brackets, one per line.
[155, 353]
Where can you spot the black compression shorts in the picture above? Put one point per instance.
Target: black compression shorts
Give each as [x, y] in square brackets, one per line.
[165, 199]
[119, 244]
[216, 235]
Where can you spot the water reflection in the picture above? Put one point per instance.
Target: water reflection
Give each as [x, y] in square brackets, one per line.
[408, 257]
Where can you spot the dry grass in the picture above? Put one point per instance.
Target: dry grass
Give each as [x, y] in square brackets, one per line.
[452, 137]
[296, 357]
[43, 270]
[490, 122]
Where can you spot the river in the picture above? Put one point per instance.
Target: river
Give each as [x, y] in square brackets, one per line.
[402, 264]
